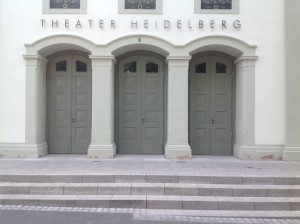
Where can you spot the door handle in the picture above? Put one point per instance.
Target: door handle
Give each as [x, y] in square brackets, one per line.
[213, 121]
[74, 120]
[143, 120]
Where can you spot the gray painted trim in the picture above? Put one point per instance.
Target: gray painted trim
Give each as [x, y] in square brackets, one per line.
[47, 10]
[235, 8]
[158, 10]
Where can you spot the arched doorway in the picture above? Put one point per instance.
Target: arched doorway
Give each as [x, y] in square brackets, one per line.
[102, 57]
[69, 103]
[140, 107]
[211, 100]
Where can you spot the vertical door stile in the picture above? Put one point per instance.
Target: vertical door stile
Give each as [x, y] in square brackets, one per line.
[60, 101]
[129, 101]
[211, 102]
[73, 103]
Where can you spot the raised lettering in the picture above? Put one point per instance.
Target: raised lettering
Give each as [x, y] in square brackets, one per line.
[146, 24]
[237, 24]
[90, 22]
[212, 24]
[113, 24]
[179, 24]
[134, 24]
[200, 24]
[54, 23]
[101, 24]
[167, 24]
[67, 23]
[43, 22]
[78, 24]
[224, 24]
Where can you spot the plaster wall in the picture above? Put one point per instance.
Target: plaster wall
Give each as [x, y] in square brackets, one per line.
[262, 25]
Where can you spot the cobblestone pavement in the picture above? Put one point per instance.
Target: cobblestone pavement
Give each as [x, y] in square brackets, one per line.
[123, 216]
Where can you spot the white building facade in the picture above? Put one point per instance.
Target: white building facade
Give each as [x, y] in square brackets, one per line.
[179, 78]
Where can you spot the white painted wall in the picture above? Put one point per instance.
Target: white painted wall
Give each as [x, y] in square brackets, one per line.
[262, 25]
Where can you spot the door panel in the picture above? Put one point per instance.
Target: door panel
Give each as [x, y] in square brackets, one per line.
[140, 106]
[221, 70]
[70, 105]
[199, 107]
[210, 106]
[130, 106]
[81, 105]
[152, 106]
[60, 105]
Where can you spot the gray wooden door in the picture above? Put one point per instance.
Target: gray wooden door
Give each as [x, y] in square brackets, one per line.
[70, 105]
[210, 106]
[141, 105]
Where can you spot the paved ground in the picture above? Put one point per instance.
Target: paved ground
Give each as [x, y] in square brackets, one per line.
[80, 165]
[61, 215]
[200, 165]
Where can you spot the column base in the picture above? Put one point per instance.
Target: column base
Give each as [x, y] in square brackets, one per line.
[181, 152]
[291, 154]
[22, 150]
[258, 152]
[102, 151]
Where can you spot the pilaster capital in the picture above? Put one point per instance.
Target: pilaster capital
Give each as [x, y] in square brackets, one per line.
[178, 61]
[247, 61]
[33, 59]
[103, 61]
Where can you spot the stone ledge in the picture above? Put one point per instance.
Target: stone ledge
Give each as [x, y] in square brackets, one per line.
[157, 202]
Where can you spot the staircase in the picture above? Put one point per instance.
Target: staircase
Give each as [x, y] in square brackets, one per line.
[153, 191]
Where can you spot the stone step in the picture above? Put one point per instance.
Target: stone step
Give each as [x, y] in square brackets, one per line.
[157, 202]
[194, 216]
[178, 189]
[151, 178]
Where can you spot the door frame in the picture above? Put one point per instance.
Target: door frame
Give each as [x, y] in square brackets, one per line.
[233, 90]
[48, 73]
[116, 93]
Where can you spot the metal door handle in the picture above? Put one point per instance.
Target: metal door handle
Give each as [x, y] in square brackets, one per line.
[143, 120]
[74, 120]
[213, 121]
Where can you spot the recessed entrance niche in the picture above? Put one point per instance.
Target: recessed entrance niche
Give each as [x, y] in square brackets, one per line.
[69, 104]
[211, 106]
[140, 107]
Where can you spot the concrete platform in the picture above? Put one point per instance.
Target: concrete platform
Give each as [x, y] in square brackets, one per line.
[212, 184]
[155, 165]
